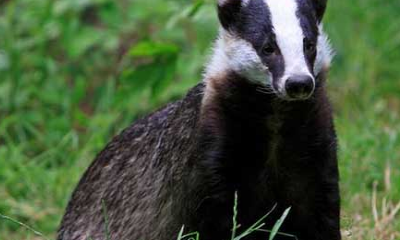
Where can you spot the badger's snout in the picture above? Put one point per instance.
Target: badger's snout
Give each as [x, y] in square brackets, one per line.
[299, 87]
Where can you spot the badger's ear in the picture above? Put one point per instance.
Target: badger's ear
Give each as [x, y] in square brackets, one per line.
[319, 6]
[229, 12]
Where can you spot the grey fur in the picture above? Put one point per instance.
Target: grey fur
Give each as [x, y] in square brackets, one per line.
[136, 175]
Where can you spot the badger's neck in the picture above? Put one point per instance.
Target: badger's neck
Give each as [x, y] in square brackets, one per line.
[231, 94]
[227, 86]
[219, 62]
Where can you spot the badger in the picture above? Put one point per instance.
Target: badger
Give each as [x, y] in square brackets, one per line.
[259, 125]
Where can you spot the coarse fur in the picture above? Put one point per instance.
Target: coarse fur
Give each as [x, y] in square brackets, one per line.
[237, 131]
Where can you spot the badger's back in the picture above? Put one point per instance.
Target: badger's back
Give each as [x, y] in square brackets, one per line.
[131, 182]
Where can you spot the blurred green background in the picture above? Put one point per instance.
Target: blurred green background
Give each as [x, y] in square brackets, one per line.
[73, 73]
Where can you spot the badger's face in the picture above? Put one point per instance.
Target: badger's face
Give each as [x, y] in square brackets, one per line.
[275, 43]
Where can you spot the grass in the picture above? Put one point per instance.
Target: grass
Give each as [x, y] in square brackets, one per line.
[256, 227]
[365, 89]
[74, 73]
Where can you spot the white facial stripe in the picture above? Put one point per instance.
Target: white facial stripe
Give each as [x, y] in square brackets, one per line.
[234, 53]
[289, 36]
[245, 60]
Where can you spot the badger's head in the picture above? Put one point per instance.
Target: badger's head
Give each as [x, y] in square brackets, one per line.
[278, 44]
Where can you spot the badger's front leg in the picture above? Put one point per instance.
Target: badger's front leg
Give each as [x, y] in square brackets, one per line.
[328, 207]
[329, 221]
[328, 194]
[324, 223]
[317, 218]
[208, 204]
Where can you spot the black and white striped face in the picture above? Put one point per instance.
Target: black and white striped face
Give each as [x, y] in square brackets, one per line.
[276, 43]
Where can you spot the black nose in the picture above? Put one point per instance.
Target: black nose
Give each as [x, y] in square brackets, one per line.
[299, 86]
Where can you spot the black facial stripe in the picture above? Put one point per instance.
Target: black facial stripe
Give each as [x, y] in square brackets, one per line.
[309, 25]
[255, 23]
[256, 27]
[229, 12]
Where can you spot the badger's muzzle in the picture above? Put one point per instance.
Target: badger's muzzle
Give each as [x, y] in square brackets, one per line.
[299, 87]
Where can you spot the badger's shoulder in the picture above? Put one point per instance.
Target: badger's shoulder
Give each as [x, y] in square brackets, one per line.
[178, 115]
[148, 141]
[151, 134]
[151, 145]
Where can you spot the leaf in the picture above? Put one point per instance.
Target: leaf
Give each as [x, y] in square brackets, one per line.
[168, 70]
[278, 224]
[4, 60]
[85, 39]
[151, 49]
[195, 8]
[188, 12]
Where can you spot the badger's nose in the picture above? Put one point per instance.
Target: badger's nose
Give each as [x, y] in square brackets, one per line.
[299, 86]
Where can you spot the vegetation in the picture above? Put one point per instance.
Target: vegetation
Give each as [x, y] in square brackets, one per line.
[73, 73]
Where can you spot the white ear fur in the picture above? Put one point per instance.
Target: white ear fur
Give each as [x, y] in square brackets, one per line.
[324, 52]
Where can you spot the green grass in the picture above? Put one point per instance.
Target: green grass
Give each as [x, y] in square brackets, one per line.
[365, 88]
[258, 226]
[74, 73]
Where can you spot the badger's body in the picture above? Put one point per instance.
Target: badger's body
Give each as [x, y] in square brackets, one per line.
[182, 164]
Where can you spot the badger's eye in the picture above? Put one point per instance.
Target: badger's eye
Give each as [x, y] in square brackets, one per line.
[268, 49]
[309, 46]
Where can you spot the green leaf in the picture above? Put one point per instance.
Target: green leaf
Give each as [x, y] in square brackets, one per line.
[151, 49]
[195, 8]
[85, 39]
[278, 224]
[168, 71]
[188, 12]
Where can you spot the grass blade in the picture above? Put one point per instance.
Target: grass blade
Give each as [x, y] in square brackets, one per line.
[103, 205]
[257, 225]
[180, 235]
[278, 233]
[23, 225]
[189, 236]
[278, 224]
[234, 220]
[192, 236]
